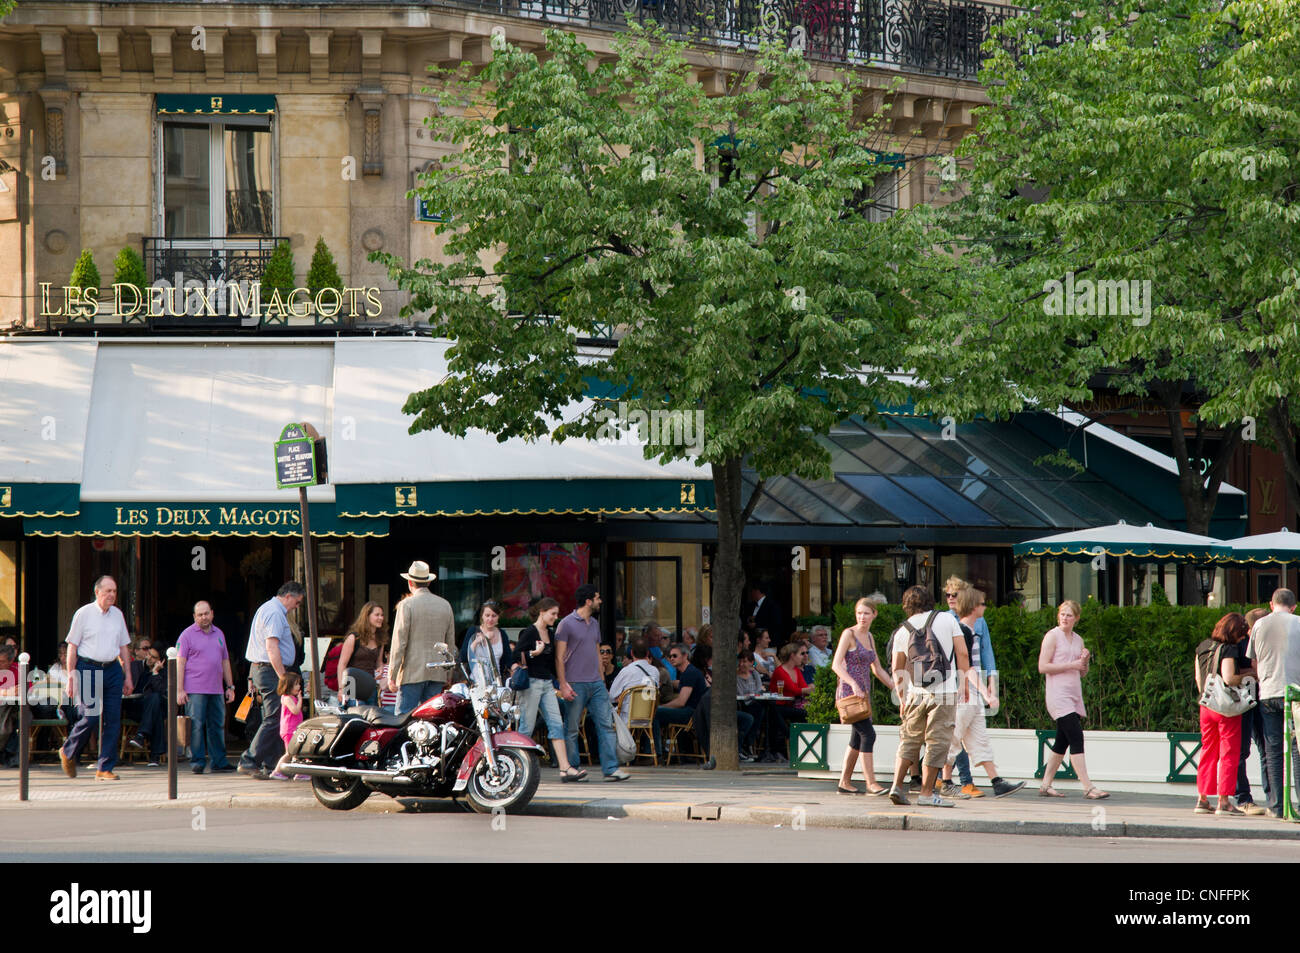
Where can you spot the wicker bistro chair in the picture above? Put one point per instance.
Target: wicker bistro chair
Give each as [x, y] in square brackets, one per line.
[641, 718]
[672, 742]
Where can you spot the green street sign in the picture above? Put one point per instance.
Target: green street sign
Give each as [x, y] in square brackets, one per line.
[295, 458]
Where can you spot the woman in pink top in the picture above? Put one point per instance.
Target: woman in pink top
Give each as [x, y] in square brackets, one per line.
[1064, 660]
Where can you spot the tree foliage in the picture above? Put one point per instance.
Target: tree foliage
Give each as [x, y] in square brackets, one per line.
[1130, 142]
[722, 237]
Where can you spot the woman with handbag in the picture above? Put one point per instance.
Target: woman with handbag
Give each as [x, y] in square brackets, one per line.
[855, 659]
[536, 651]
[1218, 665]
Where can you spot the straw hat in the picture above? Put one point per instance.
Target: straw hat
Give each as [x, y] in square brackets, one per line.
[419, 572]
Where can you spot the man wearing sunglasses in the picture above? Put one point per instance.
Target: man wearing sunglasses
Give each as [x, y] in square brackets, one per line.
[682, 708]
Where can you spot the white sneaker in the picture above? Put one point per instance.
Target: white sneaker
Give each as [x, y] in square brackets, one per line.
[933, 801]
[619, 775]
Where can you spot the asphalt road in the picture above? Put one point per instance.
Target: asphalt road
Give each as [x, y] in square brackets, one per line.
[195, 834]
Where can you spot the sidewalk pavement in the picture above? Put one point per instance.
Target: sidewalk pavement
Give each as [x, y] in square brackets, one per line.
[761, 796]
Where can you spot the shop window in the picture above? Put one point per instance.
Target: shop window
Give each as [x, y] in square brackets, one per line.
[516, 574]
[978, 569]
[217, 178]
[868, 576]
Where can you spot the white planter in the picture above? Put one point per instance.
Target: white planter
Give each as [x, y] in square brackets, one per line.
[1117, 760]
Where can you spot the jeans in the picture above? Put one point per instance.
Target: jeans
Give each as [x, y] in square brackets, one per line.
[207, 730]
[540, 694]
[1252, 729]
[413, 694]
[99, 690]
[1270, 710]
[594, 697]
[962, 767]
[266, 748]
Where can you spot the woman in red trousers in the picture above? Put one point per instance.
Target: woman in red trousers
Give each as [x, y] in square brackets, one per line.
[1220, 734]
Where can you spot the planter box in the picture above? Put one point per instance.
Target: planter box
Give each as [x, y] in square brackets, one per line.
[1136, 761]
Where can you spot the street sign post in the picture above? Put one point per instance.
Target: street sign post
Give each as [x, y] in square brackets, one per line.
[300, 462]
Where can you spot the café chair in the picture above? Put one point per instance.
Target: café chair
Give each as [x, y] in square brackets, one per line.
[641, 719]
[672, 742]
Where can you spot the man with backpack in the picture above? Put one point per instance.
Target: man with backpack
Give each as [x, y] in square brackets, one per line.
[930, 664]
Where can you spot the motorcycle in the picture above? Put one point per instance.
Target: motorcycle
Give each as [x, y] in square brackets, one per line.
[459, 742]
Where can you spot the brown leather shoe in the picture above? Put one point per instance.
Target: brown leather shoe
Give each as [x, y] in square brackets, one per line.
[106, 776]
[69, 766]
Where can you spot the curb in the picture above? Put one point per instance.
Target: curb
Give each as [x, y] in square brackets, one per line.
[687, 811]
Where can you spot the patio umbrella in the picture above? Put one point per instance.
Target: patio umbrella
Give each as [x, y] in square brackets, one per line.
[1281, 547]
[1145, 543]
[1121, 539]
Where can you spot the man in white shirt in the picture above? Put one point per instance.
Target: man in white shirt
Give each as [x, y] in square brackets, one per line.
[930, 663]
[819, 653]
[1275, 647]
[99, 674]
[639, 671]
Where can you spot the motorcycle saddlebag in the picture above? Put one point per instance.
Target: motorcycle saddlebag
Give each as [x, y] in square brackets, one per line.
[326, 738]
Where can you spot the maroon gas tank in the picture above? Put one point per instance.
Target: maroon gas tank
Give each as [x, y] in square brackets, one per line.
[447, 708]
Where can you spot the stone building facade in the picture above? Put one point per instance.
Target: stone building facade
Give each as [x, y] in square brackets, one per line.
[200, 134]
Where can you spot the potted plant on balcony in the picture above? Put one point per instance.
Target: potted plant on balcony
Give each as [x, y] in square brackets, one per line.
[322, 274]
[278, 277]
[85, 276]
[128, 269]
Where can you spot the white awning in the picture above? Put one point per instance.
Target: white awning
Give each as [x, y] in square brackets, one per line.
[191, 421]
[44, 404]
[372, 380]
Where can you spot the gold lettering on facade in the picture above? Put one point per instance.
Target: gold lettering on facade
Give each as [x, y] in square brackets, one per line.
[1267, 507]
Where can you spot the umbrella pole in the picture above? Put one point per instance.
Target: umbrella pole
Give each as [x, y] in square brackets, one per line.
[1121, 581]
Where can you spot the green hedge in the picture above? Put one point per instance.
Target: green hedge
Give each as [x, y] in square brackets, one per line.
[1140, 680]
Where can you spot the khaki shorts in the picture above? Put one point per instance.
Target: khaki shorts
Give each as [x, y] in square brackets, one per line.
[930, 723]
[971, 732]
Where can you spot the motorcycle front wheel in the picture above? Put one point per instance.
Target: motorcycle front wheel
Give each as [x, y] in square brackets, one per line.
[339, 794]
[518, 774]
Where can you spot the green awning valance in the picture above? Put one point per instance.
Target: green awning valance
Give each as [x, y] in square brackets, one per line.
[202, 519]
[215, 104]
[40, 499]
[524, 497]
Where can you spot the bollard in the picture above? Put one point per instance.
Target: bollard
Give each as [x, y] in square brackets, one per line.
[173, 752]
[24, 726]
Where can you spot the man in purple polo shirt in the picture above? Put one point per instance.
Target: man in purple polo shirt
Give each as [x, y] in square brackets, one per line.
[203, 666]
[577, 668]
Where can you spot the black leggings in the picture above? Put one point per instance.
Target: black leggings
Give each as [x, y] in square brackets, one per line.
[863, 737]
[1069, 731]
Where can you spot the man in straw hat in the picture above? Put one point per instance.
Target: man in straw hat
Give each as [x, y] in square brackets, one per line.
[422, 621]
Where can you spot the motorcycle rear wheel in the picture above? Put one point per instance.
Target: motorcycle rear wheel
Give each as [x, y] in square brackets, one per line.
[339, 794]
[520, 774]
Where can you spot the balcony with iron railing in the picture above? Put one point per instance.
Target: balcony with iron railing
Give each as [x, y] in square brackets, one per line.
[932, 37]
[929, 37]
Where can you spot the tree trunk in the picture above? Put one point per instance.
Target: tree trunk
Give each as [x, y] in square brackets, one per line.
[1279, 426]
[727, 577]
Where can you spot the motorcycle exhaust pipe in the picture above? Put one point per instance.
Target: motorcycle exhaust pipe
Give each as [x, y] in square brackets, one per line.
[324, 771]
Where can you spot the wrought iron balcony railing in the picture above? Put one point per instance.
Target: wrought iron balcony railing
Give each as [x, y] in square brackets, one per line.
[934, 37]
[208, 259]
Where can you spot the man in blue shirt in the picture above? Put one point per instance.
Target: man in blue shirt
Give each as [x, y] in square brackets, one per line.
[271, 652]
[682, 708]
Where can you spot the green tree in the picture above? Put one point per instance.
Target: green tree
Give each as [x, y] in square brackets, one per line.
[722, 237]
[1129, 142]
[128, 269]
[84, 273]
[279, 273]
[323, 273]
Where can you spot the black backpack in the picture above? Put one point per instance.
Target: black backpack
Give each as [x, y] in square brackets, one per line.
[927, 663]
